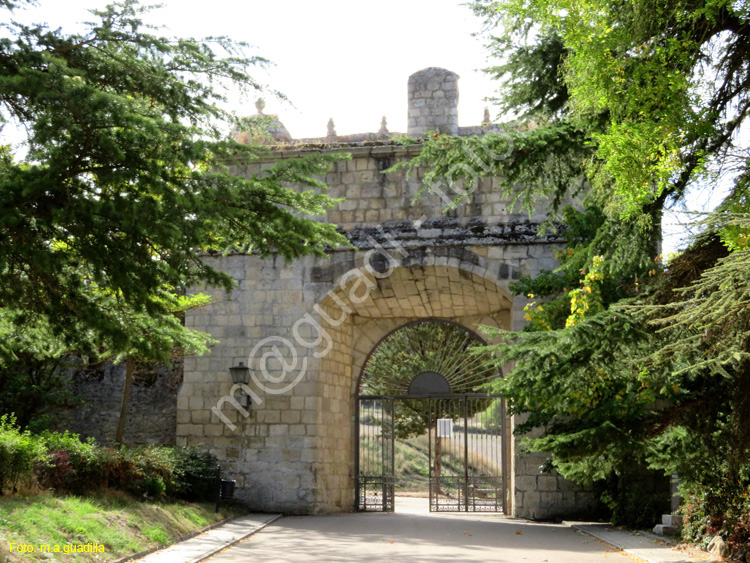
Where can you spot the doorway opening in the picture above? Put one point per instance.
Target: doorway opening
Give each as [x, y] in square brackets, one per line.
[429, 423]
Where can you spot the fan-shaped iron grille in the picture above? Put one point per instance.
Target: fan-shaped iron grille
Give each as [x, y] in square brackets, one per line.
[435, 346]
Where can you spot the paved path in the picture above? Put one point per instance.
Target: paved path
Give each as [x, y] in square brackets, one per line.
[414, 535]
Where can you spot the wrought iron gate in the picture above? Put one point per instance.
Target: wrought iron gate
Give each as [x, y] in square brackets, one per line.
[466, 452]
[375, 460]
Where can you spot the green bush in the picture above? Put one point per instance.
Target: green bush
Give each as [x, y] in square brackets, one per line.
[65, 463]
[19, 452]
[153, 471]
[155, 487]
[113, 468]
[722, 509]
[197, 478]
[74, 466]
[147, 471]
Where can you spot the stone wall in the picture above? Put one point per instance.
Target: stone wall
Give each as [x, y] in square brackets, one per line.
[546, 495]
[295, 452]
[334, 472]
[152, 416]
[271, 453]
[374, 199]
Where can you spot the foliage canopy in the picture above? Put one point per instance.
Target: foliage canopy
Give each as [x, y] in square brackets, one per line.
[125, 179]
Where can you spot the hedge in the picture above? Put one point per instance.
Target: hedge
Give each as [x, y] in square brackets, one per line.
[65, 463]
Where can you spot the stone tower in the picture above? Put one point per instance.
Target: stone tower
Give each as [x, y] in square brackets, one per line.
[433, 102]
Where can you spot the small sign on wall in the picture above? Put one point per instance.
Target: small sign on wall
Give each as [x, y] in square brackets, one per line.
[444, 428]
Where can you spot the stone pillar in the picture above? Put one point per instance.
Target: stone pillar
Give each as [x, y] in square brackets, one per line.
[675, 490]
[433, 102]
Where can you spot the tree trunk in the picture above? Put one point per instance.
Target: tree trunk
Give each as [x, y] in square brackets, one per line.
[129, 370]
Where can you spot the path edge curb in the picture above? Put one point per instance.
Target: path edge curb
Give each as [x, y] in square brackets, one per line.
[213, 551]
[579, 528]
[182, 538]
[690, 552]
[141, 554]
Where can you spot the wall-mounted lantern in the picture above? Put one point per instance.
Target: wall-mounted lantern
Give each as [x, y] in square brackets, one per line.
[241, 375]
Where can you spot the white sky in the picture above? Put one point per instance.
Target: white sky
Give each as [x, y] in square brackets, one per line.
[343, 59]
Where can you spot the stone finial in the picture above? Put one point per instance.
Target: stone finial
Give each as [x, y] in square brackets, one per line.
[331, 128]
[486, 122]
[383, 127]
[259, 105]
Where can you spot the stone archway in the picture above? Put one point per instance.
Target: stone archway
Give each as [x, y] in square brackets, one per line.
[453, 291]
[365, 308]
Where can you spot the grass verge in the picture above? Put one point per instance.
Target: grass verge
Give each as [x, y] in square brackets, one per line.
[119, 523]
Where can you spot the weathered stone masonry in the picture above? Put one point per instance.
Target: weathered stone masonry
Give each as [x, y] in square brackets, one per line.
[295, 452]
[152, 409]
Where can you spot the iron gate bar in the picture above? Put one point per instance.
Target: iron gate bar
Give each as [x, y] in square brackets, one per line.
[393, 460]
[504, 456]
[467, 492]
[466, 452]
[429, 452]
[357, 465]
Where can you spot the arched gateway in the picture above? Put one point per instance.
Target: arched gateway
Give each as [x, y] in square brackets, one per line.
[430, 381]
[308, 328]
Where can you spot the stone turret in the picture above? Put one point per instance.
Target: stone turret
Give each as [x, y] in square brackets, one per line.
[433, 102]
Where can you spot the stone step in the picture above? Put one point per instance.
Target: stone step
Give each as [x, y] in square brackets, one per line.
[661, 529]
[671, 520]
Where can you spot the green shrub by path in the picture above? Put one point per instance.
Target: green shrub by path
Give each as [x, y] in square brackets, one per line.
[61, 461]
[73, 465]
[19, 452]
[115, 520]
[197, 474]
[721, 509]
[636, 499]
